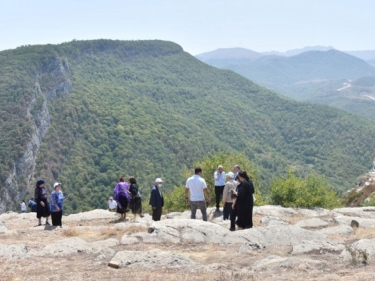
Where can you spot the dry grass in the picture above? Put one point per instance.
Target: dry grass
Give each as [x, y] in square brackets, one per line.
[135, 229]
[111, 232]
[70, 232]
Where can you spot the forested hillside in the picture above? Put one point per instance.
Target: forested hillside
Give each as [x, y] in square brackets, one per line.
[102, 109]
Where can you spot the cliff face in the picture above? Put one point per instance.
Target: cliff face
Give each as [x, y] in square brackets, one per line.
[21, 175]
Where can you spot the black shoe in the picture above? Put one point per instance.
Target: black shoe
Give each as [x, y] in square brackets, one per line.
[47, 223]
[39, 224]
[232, 229]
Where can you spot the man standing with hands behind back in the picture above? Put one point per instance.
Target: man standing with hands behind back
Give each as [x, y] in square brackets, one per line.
[219, 177]
[157, 200]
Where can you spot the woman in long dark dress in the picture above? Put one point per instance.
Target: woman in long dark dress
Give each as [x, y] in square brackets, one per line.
[135, 201]
[245, 201]
[42, 202]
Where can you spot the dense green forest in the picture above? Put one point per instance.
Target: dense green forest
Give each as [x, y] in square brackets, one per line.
[149, 109]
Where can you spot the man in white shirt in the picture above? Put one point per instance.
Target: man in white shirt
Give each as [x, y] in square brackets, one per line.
[219, 177]
[197, 186]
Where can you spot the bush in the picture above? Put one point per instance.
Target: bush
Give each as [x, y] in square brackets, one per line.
[313, 191]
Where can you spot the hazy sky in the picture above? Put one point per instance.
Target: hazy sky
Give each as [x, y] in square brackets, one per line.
[197, 25]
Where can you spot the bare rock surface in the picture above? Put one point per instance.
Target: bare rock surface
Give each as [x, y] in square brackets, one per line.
[274, 211]
[285, 244]
[362, 251]
[315, 246]
[155, 259]
[363, 222]
[314, 222]
[269, 220]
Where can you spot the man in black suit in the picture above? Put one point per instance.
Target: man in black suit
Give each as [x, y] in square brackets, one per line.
[157, 200]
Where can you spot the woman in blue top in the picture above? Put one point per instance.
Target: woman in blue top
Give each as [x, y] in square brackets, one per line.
[57, 204]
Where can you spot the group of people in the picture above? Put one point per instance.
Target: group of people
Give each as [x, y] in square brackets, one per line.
[236, 190]
[45, 209]
[126, 197]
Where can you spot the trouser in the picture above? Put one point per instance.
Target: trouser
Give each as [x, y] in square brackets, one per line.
[233, 216]
[201, 205]
[56, 218]
[156, 213]
[218, 194]
[227, 210]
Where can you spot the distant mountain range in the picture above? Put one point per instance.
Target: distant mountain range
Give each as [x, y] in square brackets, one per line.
[310, 74]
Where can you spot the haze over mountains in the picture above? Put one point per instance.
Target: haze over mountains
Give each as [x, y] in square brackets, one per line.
[85, 113]
[315, 74]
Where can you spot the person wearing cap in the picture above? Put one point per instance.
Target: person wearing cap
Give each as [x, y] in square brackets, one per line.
[219, 177]
[157, 200]
[230, 186]
[57, 204]
[42, 202]
[197, 187]
[112, 205]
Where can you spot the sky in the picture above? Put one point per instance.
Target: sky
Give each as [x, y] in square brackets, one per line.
[197, 25]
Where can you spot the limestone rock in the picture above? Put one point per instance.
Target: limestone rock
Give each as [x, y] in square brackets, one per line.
[3, 227]
[363, 222]
[13, 251]
[336, 230]
[90, 215]
[361, 212]
[268, 220]
[316, 246]
[153, 260]
[274, 211]
[314, 222]
[315, 212]
[284, 262]
[361, 251]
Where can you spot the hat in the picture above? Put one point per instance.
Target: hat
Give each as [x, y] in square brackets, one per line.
[230, 175]
[39, 182]
[219, 166]
[56, 184]
[111, 198]
[158, 180]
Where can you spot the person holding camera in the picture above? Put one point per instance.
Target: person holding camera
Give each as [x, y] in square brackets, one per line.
[219, 177]
[228, 196]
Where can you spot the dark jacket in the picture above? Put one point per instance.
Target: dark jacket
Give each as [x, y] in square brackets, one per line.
[156, 198]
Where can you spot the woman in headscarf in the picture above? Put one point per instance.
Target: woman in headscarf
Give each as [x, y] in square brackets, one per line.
[244, 202]
[57, 204]
[122, 197]
[135, 201]
[41, 201]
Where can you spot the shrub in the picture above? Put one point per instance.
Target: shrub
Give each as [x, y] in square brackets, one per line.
[313, 191]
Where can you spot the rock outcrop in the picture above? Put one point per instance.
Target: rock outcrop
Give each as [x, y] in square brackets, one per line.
[285, 244]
